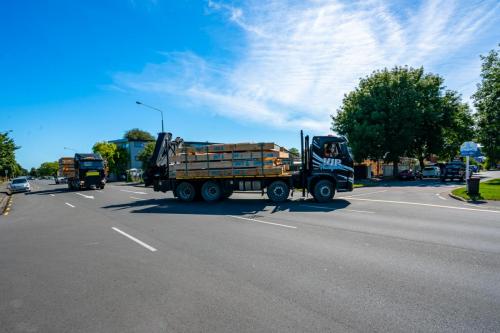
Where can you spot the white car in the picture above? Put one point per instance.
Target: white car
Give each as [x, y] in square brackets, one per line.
[431, 172]
[20, 184]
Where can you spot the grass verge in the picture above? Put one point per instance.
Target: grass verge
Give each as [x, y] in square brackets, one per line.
[489, 190]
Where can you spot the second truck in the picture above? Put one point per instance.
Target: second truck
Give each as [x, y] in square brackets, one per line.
[83, 171]
[214, 171]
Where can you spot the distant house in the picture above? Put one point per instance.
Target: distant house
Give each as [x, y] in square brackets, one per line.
[133, 147]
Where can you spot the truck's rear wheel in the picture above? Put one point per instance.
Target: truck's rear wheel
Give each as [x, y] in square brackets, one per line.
[186, 191]
[278, 191]
[324, 191]
[211, 191]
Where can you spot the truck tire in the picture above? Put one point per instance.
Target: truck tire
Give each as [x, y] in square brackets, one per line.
[227, 194]
[323, 191]
[278, 191]
[186, 191]
[211, 191]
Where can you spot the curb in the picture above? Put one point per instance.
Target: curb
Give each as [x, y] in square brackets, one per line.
[456, 197]
[4, 204]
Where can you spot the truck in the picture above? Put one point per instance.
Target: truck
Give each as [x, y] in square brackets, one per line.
[83, 171]
[324, 167]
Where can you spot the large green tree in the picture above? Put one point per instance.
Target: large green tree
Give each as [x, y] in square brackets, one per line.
[48, 169]
[402, 112]
[487, 103]
[137, 134]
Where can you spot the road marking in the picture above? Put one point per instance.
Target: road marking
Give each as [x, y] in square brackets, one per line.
[428, 205]
[264, 222]
[339, 209]
[133, 192]
[86, 196]
[440, 197]
[52, 195]
[136, 198]
[358, 195]
[69, 205]
[149, 247]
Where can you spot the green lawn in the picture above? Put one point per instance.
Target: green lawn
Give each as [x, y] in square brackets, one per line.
[489, 190]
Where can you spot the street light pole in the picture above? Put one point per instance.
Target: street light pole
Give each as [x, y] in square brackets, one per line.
[151, 107]
[68, 148]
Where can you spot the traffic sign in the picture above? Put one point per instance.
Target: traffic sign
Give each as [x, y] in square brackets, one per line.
[468, 148]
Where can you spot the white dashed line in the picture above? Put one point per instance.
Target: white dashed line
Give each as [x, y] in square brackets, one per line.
[264, 222]
[149, 247]
[52, 195]
[137, 198]
[86, 196]
[440, 197]
[133, 192]
[70, 205]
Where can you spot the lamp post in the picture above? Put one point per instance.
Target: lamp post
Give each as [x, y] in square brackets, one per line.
[153, 108]
[69, 148]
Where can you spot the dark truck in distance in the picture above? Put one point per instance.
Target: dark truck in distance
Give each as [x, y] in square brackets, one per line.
[83, 171]
[453, 170]
[325, 166]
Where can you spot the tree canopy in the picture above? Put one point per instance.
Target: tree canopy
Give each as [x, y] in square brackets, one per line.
[487, 103]
[400, 112]
[8, 165]
[116, 157]
[48, 169]
[139, 135]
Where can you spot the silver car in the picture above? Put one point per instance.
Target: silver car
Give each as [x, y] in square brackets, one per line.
[19, 185]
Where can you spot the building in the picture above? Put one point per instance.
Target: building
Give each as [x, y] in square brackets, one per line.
[133, 147]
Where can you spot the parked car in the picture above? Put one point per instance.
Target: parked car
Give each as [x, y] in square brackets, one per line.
[431, 171]
[410, 174]
[61, 180]
[20, 184]
[454, 170]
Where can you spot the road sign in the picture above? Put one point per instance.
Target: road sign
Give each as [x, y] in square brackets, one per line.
[468, 148]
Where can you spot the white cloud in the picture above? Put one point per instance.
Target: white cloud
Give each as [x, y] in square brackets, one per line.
[300, 58]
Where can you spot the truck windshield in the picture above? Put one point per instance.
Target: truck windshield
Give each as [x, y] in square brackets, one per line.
[91, 165]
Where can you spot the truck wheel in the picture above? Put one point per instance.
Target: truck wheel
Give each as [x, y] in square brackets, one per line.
[186, 191]
[211, 191]
[323, 191]
[278, 191]
[227, 194]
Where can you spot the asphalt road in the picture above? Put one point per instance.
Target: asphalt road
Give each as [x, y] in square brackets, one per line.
[126, 259]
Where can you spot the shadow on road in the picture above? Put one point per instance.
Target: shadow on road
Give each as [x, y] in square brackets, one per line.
[50, 191]
[412, 183]
[227, 207]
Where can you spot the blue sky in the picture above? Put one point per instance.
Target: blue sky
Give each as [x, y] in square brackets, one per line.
[225, 71]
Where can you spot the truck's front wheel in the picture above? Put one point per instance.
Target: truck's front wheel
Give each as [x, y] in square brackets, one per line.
[324, 191]
[278, 191]
[186, 192]
[211, 191]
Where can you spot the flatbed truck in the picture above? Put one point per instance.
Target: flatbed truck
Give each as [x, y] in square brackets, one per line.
[325, 166]
[83, 171]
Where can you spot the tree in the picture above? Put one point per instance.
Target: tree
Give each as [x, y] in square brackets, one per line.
[138, 135]
[108, 152]
[379, 117]
[487, 103]
[458, 125]
[33, 172]
[294, 152]
[8, 164]
[145, 155]
[48, 169]
[116, 157]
